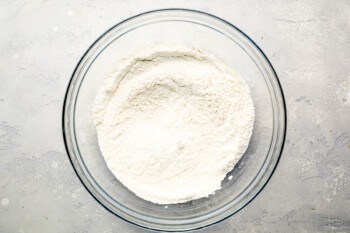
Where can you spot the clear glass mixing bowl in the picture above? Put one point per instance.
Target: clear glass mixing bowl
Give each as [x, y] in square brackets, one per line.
[228, 43]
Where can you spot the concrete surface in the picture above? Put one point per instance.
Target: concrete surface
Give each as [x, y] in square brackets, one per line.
[307, 41]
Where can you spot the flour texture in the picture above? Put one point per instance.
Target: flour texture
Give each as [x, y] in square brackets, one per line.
[172, 121]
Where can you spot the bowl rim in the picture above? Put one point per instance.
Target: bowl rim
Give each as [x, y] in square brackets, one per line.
[87, 184]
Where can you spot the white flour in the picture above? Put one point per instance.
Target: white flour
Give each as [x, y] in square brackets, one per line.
[172, 122]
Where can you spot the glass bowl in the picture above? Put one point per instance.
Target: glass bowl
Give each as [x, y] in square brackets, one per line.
[216, 36]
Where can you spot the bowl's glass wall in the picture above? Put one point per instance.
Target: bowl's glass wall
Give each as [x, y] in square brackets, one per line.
[198, 30]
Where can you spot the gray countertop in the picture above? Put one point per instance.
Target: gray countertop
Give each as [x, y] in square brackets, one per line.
[308, 43]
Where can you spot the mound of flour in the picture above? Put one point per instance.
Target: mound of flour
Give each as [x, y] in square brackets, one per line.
[172, 122]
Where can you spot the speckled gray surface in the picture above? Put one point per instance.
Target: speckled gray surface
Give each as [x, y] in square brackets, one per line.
[307, 41]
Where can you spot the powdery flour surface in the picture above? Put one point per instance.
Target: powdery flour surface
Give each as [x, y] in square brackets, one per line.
[172, 122]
